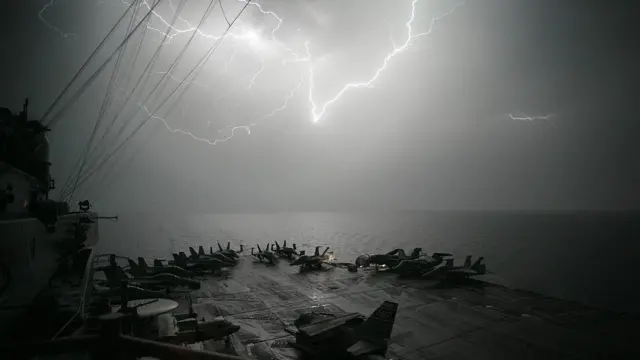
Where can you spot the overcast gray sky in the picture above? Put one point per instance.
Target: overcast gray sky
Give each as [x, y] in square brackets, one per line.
[433, 131]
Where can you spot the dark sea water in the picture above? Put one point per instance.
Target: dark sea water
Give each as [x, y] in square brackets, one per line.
[588, 257]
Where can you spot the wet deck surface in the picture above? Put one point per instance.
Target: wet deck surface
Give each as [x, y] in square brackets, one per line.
[475, 321]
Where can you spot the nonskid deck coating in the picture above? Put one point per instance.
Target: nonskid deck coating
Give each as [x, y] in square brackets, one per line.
[476, 321]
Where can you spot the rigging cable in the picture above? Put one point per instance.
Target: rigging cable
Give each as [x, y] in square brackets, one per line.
[126, 76]
[223, 13]
[179, 57]
[106, 103]
[68, 182]
[144, 76]
[200, 62]
[92, 78]
[86, 63]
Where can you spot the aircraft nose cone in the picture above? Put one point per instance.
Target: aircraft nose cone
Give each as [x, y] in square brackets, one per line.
[233, 329]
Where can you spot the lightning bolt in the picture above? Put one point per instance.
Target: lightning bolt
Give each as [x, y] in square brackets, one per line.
[318, 109]
[530, 118]
[50, 25]
[215, 142]
[255, 76]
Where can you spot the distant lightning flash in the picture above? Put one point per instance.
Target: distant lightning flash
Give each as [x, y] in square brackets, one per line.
[531, 118]
[534, 118]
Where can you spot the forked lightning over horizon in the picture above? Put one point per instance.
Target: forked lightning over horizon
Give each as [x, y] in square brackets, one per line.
[243, 33]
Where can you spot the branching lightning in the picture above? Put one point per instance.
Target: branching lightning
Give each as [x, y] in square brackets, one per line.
[318, 111]
[48, 24]
[287, 56]
[193, 136]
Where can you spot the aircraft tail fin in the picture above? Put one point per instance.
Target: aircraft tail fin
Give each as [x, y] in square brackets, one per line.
[278, 245]
[193, 252]
[220, 246]
[211, 250]
[180, 259]
[284, 244]
[479, 266]
[241, 248]
[376, 330]
[325, 251]
[228, 245]
[467, 261]
[317, 253]
[449, 263]
[143, 263]
[259, 248]
[401, 254]
[133, 268]
[201, 250]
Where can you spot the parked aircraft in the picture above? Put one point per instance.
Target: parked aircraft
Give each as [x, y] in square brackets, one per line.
[266, 254]
[201, 254]
[284, 251]
[314, 261]
[450, 272]
[347, 334]
[201, 264]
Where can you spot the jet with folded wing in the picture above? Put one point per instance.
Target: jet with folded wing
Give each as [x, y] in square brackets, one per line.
[450, 272]
[229, 252]
[142, 269]
[266, 254]
[200, 264]
[201, 254]
[348, 335]
[417, 267]
[390, 259]
[284, 251]
[314, 261]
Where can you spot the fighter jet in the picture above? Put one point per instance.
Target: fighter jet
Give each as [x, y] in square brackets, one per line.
[417, 267]
[389, 259]
[229, 252]
[285, 251]
[348, 334]
[162, 279]
[266, 254]
[116, 275]
[190, 329]
[200, 264]
[200, 254]
[142, 269]
[450, 272]
[312, 262]
[217, 329]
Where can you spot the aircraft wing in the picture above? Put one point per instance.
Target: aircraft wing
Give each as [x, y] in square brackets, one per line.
[317, 328]
[462, 271]
[376, 330]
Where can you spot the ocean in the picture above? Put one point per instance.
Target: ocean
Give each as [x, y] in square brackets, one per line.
[589, 257]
